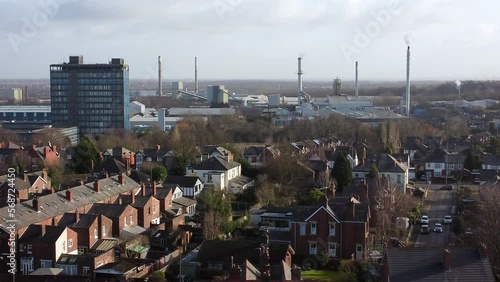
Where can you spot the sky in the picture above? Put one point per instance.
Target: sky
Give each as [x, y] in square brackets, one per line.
[256, 39]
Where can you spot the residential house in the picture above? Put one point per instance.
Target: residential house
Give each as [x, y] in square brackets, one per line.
[210, 151]
[89, 228]
[215, 257]
[415, 149]
[25, 185]
[388, 167]
[191, 186]
[329, 156]
[216, 172]
[435, 164]
[155, 156]
[34, 158]
[339, 228]
[491, 162]
[121, 215]
[148, 208]
[187, 205]
[120, 154]
[259, 156]
[84, 264]
[42, 245]
[436, 264]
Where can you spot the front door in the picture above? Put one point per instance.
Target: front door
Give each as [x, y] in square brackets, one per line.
[359, 251]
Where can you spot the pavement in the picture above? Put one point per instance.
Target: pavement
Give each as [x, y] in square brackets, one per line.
[440, 204]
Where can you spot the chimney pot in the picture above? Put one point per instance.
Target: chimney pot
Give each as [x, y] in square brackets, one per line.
[121, 179]
[97, 186]
[36, 204]
[69, 195]
[44, 174]
[54, 148]
[154, 188]
[483, 251]
[143, 190]
[157, 147]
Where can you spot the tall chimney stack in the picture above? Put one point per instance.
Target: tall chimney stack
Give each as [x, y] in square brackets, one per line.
[299, 74]
[407, 100]
[160, 86]
[356, 80]
[196, 75]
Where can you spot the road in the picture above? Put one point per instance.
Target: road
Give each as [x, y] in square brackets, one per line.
[440, 205]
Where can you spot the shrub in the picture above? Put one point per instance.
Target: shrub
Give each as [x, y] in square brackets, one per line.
[348, 266]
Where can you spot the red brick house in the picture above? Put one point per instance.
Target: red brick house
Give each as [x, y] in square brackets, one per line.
[84, 264]
[42, 245]
[338, 228]
[121, 215]
[89, 227]
[26, 184]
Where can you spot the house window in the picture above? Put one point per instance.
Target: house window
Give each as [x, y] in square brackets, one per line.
[64, 245]
[86, 269]
[45, 263]
[104, 230]
[313, 248]
[332, 249]
[154, 208]
[302, 229]
[399, 178]
[30, 249]
[125, 220]
[70, 243]
[96, 233]
[332, 229]
[130, 219]
[215, 266]
[313, 228]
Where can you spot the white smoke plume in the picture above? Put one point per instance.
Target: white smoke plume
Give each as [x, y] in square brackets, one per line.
[408, 39]
[458, 83]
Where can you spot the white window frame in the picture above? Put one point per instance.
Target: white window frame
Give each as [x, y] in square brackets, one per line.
[96, 233]
[331, 229]
[332, 246]
[70, 242]
[86, 269]
[302, 229]
[314, 227]
[313, 248]
[125, 220]
[131, 219]
[30, 249]
[103, 230]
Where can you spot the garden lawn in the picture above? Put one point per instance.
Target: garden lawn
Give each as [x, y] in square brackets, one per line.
[327, 275]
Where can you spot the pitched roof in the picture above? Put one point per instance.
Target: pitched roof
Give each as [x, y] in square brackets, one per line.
[52, 233]
[241, 250]
[109, 210]
[57, 204]
[155, 152]
[254, 151]
[426, 264]
[182, 181]
[117, 152]
[216, 163]
[85, 221]
[111, 166]
[384, 162]
[211, 149]
[183, 202]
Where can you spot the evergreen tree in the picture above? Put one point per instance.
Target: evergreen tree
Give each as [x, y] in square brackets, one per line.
[159, 173]
[342, 171]
[86, 156]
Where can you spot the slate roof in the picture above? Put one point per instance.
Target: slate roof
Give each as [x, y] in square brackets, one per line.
[85, 221]
[384, 162]
[216, 164]
[426, 264]
[339, 205]
[111, 166]
[241, 250]
[183, 202]
[154, 153]
[140, 201]
[437, 156]
[52, 233]
[182, 181]
[81, 259]
[211, 149]
[108, 210]
[118, 152]
[491, 160]
[254, 151]
[19, 182]
[56, 203]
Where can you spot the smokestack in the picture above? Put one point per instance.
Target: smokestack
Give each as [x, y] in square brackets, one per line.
[407, 100]
[356, 81]
[160, 88]
[299, 73]
[196, 75]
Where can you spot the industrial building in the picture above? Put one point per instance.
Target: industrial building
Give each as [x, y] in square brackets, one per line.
[94, 97]
[16, 96]
[25, 113]
[217, 94]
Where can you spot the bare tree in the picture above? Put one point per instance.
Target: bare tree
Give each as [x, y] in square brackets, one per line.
[212, 224]
[488, 223]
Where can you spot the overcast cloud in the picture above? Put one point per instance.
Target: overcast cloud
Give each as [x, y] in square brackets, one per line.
[255, 39]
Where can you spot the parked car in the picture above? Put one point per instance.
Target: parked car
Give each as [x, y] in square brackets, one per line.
[447, 219]
[424, 219]
[424, 229]
[438, 227]
[468, 231]
[447, 187]
[469, 199]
